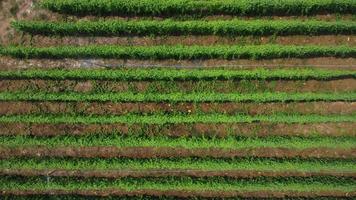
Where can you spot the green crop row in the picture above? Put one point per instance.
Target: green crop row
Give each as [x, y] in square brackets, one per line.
[228, 143]
[166, 74]
[180, 52]
[179, 118]
[178, 97]
[200, 8]
[181, 183]
[170, 87]
[169, 27]
[260, 164]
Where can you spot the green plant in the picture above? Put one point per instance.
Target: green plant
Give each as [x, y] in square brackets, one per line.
[180, 52]
[196, 27]
[199, 8]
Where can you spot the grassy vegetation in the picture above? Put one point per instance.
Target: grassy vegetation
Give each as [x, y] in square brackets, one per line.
[199, 8]
[178, 118]
[263, 164]
[124, 197]
[181, 183]
[97, 108]
[166, 74]
[229, 142]
[147, 87]
[197, 27]
[81, 197]
[170, 87]
[180, 52]
[177, 97]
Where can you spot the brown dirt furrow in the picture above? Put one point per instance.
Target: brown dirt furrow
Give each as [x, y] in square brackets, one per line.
[7, 63]
[98, 108]
[43, 41]
[23, 8]
[168, 152]
[180, 130]
[342, 85]
[170, 173]
[185, 193]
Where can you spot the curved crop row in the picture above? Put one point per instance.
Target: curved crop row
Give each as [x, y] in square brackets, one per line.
[166, 74]
[169, 27]
[199, 8]
[180, 52]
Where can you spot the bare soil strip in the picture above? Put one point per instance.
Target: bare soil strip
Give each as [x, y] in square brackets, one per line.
[41, 41]
[180, 130]
[7, 63]
[168, 152]
[170, 173]
[106, 108]
[184, 193]
[342, 85]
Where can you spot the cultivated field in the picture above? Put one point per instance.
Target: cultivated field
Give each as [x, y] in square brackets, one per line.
[178, 99]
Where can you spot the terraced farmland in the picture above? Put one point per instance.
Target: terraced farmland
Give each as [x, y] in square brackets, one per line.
[179, 99]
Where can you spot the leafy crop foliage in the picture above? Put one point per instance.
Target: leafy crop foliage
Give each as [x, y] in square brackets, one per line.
[199, 8]
[230, 142]
[180, 52]
[272, 164]
[178, 97]
[177, 118]
[170, 74]
[197, 27]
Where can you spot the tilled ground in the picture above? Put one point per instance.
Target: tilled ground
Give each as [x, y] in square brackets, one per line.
[342, 85]
[167, 152]
[176, 130]
[101, 108]
[7, 63]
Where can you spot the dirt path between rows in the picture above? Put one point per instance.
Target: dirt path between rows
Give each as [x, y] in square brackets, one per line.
[110, 108]
[7, 63]
[168, 152]
[180, 130]
[219, 86]
[330, 40]
[24, 7]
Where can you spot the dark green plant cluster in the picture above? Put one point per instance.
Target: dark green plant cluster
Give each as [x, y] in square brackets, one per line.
[208, 164]
[199, 8]
[173, 74]
[197, 27]
[183, 183]
[180, 52]
[227, 143]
